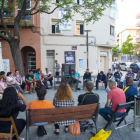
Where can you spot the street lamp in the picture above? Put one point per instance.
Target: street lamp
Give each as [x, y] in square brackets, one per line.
[87, 46]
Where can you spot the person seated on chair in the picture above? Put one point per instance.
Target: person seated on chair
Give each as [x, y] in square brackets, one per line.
[129, 74]
[63, 98]
[102, 79]
[10, 106]
[2, 85]
[75, 78]
[11, 82]
[19, 79]
[29, 78]
[87, 76]
[136, 81]
[3, 74]
[89, 97]
[41, 103]
[109, 75]
[130, 90]
[117, 76]
[115, 96]
[48, 77]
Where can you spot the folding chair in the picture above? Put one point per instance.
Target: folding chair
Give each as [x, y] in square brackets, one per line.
[121, 118]
[57, 82]
[13, 127]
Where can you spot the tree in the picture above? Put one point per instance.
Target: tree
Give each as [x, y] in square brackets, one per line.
[137, 51]
[90, 10]
[128, 47]
[115, 51]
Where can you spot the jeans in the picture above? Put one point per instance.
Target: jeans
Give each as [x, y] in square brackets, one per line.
[98, 82]
[46, 84]
[23, 85]
[74, 80]
[20, 124]
[105, 112]
[50, 80]
[117, 79]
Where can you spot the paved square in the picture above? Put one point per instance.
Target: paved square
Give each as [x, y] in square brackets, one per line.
[84, 135]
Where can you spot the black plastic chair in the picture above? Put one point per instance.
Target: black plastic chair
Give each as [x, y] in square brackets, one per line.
[121, 118]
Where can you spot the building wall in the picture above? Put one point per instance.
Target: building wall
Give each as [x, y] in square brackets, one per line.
[66, 39]
[27, 38]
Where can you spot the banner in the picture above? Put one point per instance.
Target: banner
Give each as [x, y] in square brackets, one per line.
[80, 63]
[66, 25]
[114, 12]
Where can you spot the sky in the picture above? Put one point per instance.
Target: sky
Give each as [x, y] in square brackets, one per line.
[128, 9]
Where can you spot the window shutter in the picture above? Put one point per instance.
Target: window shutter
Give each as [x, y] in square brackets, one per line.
[110, 29]
[81, 29]
[80, 2]
[53, 28]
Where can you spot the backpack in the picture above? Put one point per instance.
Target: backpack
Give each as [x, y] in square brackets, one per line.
[41, 131]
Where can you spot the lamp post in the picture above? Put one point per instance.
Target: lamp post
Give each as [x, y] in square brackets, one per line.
[87, 46]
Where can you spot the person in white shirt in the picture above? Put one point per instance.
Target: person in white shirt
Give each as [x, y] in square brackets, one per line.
[11, 82]
[48, 77]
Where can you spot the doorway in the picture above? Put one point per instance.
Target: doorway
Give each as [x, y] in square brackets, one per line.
[50, 61]
[102, 63]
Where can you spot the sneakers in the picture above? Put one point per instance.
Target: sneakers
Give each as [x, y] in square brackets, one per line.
[21, 138]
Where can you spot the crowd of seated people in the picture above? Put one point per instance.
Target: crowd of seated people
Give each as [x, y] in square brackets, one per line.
[11, 86]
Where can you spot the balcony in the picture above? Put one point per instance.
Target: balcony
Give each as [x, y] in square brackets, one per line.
[138, 40]
[138, 16]
[138, 32]
[138, 24]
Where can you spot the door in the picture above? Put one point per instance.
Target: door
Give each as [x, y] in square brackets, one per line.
[102, 63]
[32, 61]
[50, 61]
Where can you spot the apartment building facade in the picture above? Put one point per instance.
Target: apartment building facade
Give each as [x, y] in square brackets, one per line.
[29, 41]
[70, 44]
[122, 36]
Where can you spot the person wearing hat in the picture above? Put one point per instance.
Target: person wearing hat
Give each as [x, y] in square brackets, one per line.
[57, 68]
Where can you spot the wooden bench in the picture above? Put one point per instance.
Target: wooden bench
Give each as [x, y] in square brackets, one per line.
[13, 127]
[79, 113]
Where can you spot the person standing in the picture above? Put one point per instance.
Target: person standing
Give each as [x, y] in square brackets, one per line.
[57, 68]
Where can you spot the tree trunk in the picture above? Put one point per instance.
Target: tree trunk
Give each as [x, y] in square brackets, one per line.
[130, 57]
[16, 54]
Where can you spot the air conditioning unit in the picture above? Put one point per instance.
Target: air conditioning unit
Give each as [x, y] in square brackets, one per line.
[3, 32]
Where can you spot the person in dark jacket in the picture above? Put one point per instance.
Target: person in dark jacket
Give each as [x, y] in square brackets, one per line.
[101, 78]
[130, 90]
[87, 76]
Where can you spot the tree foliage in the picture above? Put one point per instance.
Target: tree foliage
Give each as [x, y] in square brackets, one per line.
[115, 51]
[91, 10]
[128, 47]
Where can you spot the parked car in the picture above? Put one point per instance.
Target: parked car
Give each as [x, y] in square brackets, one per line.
[125, 65]
[135, 67]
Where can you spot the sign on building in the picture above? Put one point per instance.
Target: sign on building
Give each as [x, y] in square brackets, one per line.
[66, 25]
[69, 57]
[74, 47]
[6, 65]
[114, 12]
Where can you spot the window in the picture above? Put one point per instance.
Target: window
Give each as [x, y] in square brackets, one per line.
[79, 27]
[80, 2]
[7, 13]
[55, 26]
[55, 1]
[28, 17]
[112, 30]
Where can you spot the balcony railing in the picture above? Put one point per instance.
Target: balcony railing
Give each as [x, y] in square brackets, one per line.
[138, 24]
[138, 40]
[138, 16]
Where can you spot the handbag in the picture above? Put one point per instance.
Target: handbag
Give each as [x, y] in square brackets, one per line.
[75, 129]
[101, 135]
[41, 131]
